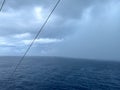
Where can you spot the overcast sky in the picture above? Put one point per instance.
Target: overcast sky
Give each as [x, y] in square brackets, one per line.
[78, 28]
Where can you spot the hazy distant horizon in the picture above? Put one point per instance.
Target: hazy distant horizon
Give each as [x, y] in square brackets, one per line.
[91, 59]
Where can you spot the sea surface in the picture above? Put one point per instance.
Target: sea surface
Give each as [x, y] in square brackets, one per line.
[55, 73]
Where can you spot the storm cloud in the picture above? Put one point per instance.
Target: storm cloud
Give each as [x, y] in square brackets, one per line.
[78, 28]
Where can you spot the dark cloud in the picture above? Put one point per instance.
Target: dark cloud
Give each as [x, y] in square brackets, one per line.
[20, 4]
[73, 9]
[97, 35]
[87, 28]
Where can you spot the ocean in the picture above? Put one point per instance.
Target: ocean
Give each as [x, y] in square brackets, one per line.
[57, 73]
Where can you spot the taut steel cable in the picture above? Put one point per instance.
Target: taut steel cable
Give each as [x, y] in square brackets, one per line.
[32, 42]
[2, 5]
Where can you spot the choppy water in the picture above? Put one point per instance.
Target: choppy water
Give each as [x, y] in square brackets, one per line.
[52, 73]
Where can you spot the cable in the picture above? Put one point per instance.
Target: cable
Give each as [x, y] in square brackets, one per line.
[32, 42]
[2, 5]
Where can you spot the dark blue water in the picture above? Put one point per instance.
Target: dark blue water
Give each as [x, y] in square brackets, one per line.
[52, 73]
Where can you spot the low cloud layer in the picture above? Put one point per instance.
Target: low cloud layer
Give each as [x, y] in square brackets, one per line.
[79, 28]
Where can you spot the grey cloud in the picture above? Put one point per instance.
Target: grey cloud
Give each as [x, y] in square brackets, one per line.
[20, 4]
[73, 9]
[90, 28]
[96, 36]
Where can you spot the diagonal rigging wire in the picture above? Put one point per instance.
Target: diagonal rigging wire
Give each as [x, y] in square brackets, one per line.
[32, 42]
[2, 5]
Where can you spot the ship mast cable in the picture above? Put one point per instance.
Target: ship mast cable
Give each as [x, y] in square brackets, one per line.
[32, 42]
[2, 5]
